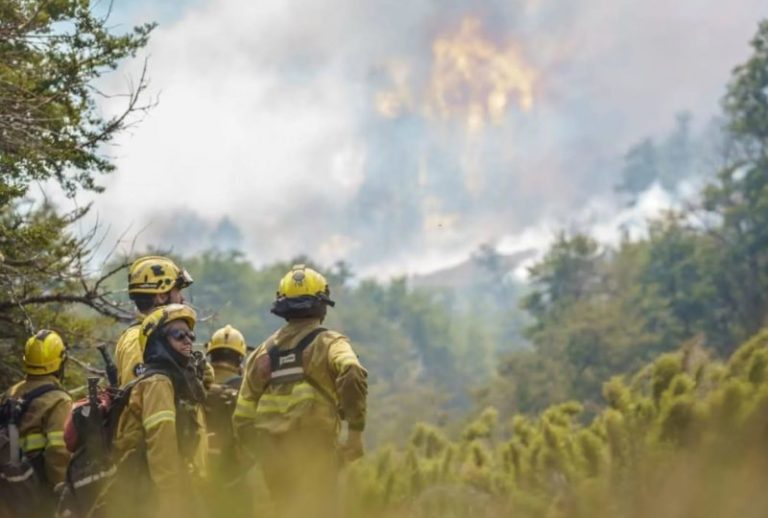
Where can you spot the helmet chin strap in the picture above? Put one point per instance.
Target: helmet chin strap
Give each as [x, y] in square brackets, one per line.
[60, 373]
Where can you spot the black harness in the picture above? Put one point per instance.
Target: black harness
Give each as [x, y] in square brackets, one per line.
[286, 366]
[22, 477]
[16, 407]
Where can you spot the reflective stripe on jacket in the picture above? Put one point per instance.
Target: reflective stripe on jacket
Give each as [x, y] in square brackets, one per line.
[148, 423]
[41, 431]
[158, 473]
[329, 362]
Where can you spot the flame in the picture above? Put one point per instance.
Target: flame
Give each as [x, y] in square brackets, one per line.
[474, 79]
[471, 79]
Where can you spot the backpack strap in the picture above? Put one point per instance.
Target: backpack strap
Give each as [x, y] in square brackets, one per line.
[186, 423]
[17, 414]
[29, 397]
[120, 401]
[286, 365]
[117, 403]
[309, 338]
[294, 368]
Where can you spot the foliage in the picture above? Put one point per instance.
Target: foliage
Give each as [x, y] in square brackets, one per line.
[681, 156]
[699, 273]
[50, 54]
[423, 354]
[51, 130]
[42, 274]
[679, 438]
[674, 431]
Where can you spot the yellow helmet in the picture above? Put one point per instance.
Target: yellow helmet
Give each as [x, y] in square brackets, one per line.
[302, 281]
[44, 353]
[302, 292]
[155, 274]
[227, 338]
[161, 316]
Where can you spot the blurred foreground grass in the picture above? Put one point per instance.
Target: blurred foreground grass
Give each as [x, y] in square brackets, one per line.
[684, 437]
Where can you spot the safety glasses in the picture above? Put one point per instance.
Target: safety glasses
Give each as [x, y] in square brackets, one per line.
[180, 334]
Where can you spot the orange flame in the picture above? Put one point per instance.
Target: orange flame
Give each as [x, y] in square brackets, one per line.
[474, 79]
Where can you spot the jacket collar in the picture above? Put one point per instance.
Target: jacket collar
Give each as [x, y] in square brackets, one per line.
[223, 371]
[294, 329]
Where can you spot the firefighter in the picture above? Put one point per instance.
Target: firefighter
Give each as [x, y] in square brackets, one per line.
[297, 388]
[161, 439]
[41, 416]
[153, 281]
[225, 352]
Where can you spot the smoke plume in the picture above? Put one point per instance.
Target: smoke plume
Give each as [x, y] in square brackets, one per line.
[399, 136]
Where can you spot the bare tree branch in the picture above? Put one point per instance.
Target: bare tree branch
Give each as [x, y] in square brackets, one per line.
[99, 372]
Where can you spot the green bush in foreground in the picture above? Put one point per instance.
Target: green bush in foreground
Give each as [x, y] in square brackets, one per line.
[686, 436]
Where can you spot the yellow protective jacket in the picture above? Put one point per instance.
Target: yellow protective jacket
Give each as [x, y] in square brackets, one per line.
[129, 356]
[332, 365]
[152, 457]
[41, 430]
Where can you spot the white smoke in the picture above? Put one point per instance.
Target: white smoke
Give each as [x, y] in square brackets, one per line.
[267, 117]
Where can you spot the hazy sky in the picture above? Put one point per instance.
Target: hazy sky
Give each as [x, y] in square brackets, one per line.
[400, 135]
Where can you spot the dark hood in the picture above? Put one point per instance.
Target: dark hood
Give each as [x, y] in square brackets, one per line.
[159, 356]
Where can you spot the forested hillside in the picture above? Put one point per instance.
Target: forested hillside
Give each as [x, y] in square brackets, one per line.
[427, 350]
[620, 380]
[700, 276]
